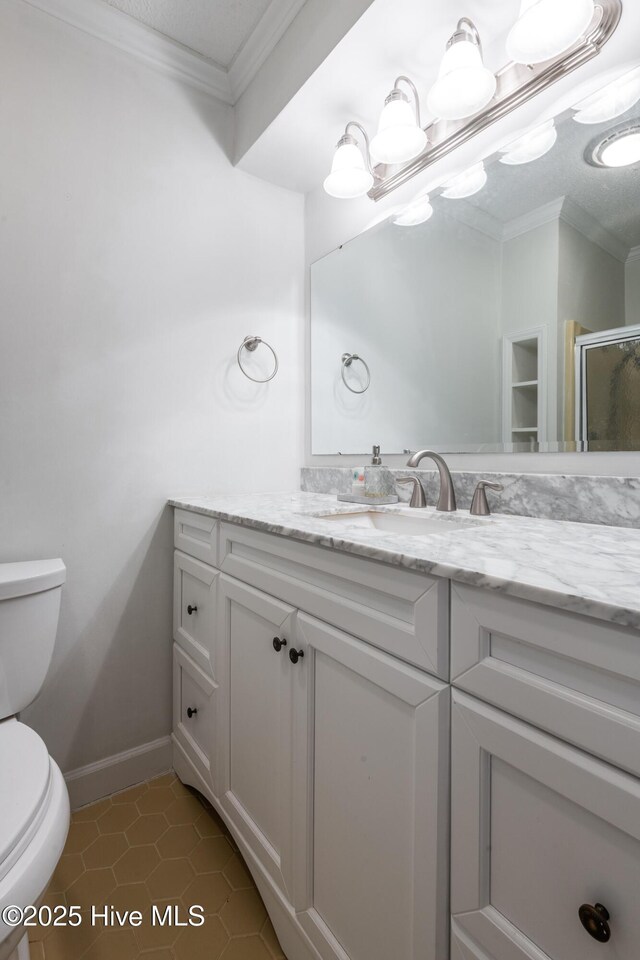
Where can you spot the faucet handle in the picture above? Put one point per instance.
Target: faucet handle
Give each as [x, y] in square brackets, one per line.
[480, 504]
[418, 498]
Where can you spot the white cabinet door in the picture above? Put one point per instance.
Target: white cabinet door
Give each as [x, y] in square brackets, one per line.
[371, 802]
[255, 723]
[194, 609]
[538, 830]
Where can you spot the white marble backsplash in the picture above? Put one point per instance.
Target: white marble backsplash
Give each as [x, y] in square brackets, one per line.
[614, 501]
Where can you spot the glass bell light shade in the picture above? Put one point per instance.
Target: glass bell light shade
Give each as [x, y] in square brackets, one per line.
[399, 137]
[419, 211]
[546, 28]
[464, 85]
[610, 102]
[349, 177]
[531, 145]
[466, 184]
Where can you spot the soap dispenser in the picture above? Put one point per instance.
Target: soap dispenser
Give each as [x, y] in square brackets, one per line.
[373, 484]
[378, 482]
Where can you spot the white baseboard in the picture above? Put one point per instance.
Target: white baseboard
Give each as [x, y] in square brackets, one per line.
[122, 770]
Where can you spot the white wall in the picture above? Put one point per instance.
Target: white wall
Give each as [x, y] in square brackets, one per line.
[318, 27]
[530, 299]
[133, 260]
[592, 283]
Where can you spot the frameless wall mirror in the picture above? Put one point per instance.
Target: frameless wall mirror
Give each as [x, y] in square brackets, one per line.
[500, 314]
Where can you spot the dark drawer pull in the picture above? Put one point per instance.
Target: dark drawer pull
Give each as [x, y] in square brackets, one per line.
[191, 712]
[295, 655]
[278, 644]
[191, 609]
[594, 920]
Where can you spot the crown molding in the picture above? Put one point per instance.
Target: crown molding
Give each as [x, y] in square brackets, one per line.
[634, 254]
[574, 216]
[261, 42]
[107, 23]
[590, 228]
[548, 213]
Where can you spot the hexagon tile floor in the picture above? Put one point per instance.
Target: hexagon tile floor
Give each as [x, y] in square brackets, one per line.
[156, 843]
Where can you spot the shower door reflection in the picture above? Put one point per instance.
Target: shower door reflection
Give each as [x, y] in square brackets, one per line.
[608, 388]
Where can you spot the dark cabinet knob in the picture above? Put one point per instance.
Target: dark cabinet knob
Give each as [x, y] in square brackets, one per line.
[191, 609]
[191, 712]
[278, 644]
[295, 655]
[594, 920]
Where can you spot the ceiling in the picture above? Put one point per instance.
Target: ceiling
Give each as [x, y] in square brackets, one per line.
[216, 29]
[609, 196]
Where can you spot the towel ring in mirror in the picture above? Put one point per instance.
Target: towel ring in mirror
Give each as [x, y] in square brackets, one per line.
[347, 360]
[251, 344]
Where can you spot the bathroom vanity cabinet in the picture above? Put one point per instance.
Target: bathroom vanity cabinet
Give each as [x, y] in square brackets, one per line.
[545, 788]
[412, 768]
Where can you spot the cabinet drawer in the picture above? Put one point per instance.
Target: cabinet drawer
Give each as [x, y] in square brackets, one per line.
[538, 829]
[574, 676]
[196, 535]
[194, 609]
[402, 612]
[194, 713]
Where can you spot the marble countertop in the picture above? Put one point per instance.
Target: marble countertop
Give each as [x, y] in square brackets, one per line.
[586, 568]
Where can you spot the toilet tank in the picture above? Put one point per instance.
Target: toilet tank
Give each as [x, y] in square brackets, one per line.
[29, 608]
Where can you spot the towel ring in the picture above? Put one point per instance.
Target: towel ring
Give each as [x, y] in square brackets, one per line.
[251, 344]
[347, 360]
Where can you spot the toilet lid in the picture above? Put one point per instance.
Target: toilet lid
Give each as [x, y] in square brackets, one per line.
[25, 771]
[30, 576]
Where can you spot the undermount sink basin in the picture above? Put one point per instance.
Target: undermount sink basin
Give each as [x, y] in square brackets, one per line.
[401, 522]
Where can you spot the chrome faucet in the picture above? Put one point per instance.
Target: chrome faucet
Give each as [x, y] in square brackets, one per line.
[447, 496]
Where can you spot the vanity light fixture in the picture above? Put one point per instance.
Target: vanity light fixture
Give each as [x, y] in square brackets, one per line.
[351, 171]
[419, 211]
[610, 102]
[547, 28]
[464, 85]
[466, 184]
[552, 38]
[620, 148]
[400, 136]
[531, 145]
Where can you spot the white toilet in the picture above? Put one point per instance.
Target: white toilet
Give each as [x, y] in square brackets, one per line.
[34, 803]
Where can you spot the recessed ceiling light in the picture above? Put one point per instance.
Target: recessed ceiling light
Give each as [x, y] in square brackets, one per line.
[530, 146]
[610, 102]
[620, 148]
[466, 184]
